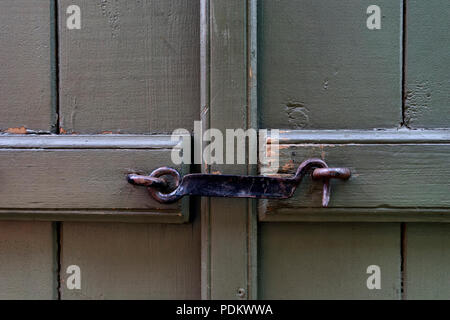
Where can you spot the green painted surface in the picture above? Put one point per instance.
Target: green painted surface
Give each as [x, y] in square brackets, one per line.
[78, 179]
[320, 67]
[27, 268]
[428, 64]
[427, 261]
[132, 261]
[328, 260]
[25, 66]
[133, 67]
[231, 244]
[383, 176]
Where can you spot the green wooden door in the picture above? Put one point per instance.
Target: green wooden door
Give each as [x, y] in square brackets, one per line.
[372, 98]
[376, 100]
[82, 108]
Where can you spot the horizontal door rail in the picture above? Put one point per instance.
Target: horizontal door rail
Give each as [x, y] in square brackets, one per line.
[107, 141]
[400, 136]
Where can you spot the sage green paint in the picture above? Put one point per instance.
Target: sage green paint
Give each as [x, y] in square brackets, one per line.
[427, 261]
[328, 260]
[428, 64]
[27, 268]
[133, 67]
[383, 176]
[132, 261]
[25, 81]
[104, 158]
[78, 179]
[230, 225]
[320, 67]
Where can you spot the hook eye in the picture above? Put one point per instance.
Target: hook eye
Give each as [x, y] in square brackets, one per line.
[165, 197]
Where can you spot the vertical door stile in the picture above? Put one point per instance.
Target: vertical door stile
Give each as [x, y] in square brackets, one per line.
[229, 227]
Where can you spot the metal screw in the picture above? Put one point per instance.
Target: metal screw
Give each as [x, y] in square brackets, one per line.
[241, 293]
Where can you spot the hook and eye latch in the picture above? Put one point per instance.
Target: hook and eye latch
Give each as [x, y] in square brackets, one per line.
[236, 186]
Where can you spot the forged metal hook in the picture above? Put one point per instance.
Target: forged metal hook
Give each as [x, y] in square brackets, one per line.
[235, 186]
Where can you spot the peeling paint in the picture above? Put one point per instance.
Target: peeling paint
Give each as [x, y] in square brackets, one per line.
[289, 166]
[110, 9]
[326, 81]
[204, 111]
[297, 114]
[418, 101]
[18, 130]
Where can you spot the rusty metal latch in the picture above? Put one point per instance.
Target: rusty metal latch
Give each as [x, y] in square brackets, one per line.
[234, 186]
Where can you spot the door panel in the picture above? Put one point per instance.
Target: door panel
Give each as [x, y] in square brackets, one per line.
[57, 181]
[384, 176]
[322, 76]
[427, 106]
[428, 64]
[28, 268]
[310, 68]
[427, 261]
[25, 82]
[133, 67]
[132, 261]
[320, 67]
[106, 170]
[328, 260]
[229, 226]
[321, 73]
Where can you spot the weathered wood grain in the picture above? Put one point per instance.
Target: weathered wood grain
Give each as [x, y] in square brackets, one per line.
[320, 67]
[328, 260]
[427, 261]
[383, 176]
[428, 64]
[27, 268]
[25, 73]
[132, 68]
[132, 261]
